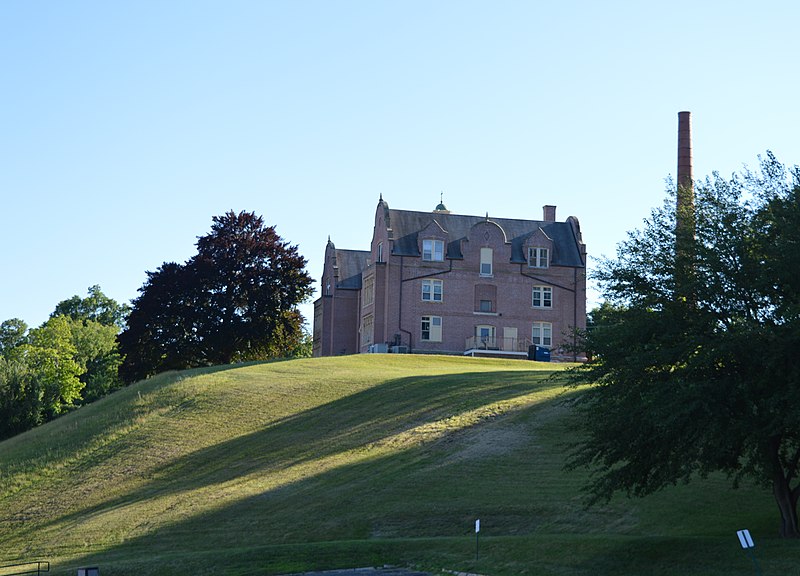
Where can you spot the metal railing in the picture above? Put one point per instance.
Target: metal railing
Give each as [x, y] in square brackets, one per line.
[41, 566]
[497, 344]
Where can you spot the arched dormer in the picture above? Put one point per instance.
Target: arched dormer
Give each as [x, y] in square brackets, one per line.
[538, 249]
[486, 247]
[432, 242]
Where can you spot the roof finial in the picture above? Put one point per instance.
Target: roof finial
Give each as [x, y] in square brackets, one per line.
[381, 197]
[487, 216]
[441, 207]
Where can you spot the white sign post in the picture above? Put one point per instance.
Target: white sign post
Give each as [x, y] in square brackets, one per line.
[747, 543]
[477, 532]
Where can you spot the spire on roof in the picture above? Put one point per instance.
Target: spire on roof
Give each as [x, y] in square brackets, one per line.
[441, 207]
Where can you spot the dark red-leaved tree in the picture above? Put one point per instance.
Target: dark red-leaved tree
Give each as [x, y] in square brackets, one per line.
[236, 299]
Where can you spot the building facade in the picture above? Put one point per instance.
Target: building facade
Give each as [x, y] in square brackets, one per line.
[436, 282]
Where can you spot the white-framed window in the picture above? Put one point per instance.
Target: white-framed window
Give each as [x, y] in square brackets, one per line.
[542, 333]
[486, 261]
[380, 251]
[538, 257]
[367, 329]
[368, 291]
[431, 328]
[433, 250]
[432, 290]
[542, 297]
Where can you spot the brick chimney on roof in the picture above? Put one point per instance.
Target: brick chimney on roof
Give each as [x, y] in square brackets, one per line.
[549, 213]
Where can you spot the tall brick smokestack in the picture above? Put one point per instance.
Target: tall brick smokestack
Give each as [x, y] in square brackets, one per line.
[684, 211]
[685, 150]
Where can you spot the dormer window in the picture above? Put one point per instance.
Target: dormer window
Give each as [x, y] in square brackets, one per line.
[433, 250]
[538, 257]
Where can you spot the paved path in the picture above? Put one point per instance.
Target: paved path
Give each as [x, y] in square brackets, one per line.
[367, 572]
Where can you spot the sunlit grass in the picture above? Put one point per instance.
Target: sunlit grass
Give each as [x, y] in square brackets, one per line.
[362, 460]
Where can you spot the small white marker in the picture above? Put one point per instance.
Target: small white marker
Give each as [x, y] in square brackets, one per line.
[477, 526]
[745, 539]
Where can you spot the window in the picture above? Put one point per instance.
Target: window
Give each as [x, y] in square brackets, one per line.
[433, 250]
[380, 251]
[368, 292]
[538, 257]
[432, 328]
[485, 298]
[432, 290]
[486, 261]
[367, 325]
[542, 297]
[542, 333]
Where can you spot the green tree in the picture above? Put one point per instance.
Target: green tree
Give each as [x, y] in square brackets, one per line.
[20, 399]
[94, 323]
[51, 358]
[700, 376]
[97, 354]
[235, 300]
[38, 378]
[12, 334]
[96, 307]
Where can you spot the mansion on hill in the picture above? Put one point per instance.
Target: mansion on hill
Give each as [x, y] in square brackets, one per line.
[436, 282]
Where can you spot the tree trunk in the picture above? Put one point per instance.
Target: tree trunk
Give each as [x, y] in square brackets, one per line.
[785, 496]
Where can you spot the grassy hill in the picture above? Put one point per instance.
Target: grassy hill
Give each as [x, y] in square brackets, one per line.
[351, 461]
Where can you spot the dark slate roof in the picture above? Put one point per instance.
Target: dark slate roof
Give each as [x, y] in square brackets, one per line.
[406, 224]
[350, 264]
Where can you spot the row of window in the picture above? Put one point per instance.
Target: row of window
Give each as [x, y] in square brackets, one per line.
[433, 251]
[433, 291]
[431, 331]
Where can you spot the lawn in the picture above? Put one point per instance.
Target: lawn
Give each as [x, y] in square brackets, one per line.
[353, 461]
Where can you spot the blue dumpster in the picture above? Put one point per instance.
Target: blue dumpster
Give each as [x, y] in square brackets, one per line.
[538, 353]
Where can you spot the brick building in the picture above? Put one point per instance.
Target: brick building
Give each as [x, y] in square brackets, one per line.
[436, 282]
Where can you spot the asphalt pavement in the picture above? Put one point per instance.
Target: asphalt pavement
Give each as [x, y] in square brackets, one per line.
[365, 572]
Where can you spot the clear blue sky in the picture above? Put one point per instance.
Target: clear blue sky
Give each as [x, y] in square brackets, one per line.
[126, 125]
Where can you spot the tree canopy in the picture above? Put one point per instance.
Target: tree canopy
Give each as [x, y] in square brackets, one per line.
[69, 360]
[700, 375]
[236, 299]
[96, 307]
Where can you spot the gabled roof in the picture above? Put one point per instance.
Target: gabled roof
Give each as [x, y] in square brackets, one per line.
[350, 264]
[406, 225]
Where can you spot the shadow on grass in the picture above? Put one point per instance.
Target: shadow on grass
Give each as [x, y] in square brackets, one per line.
[354, 422]
[348, 502]
[405, 506]
[411, 505]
